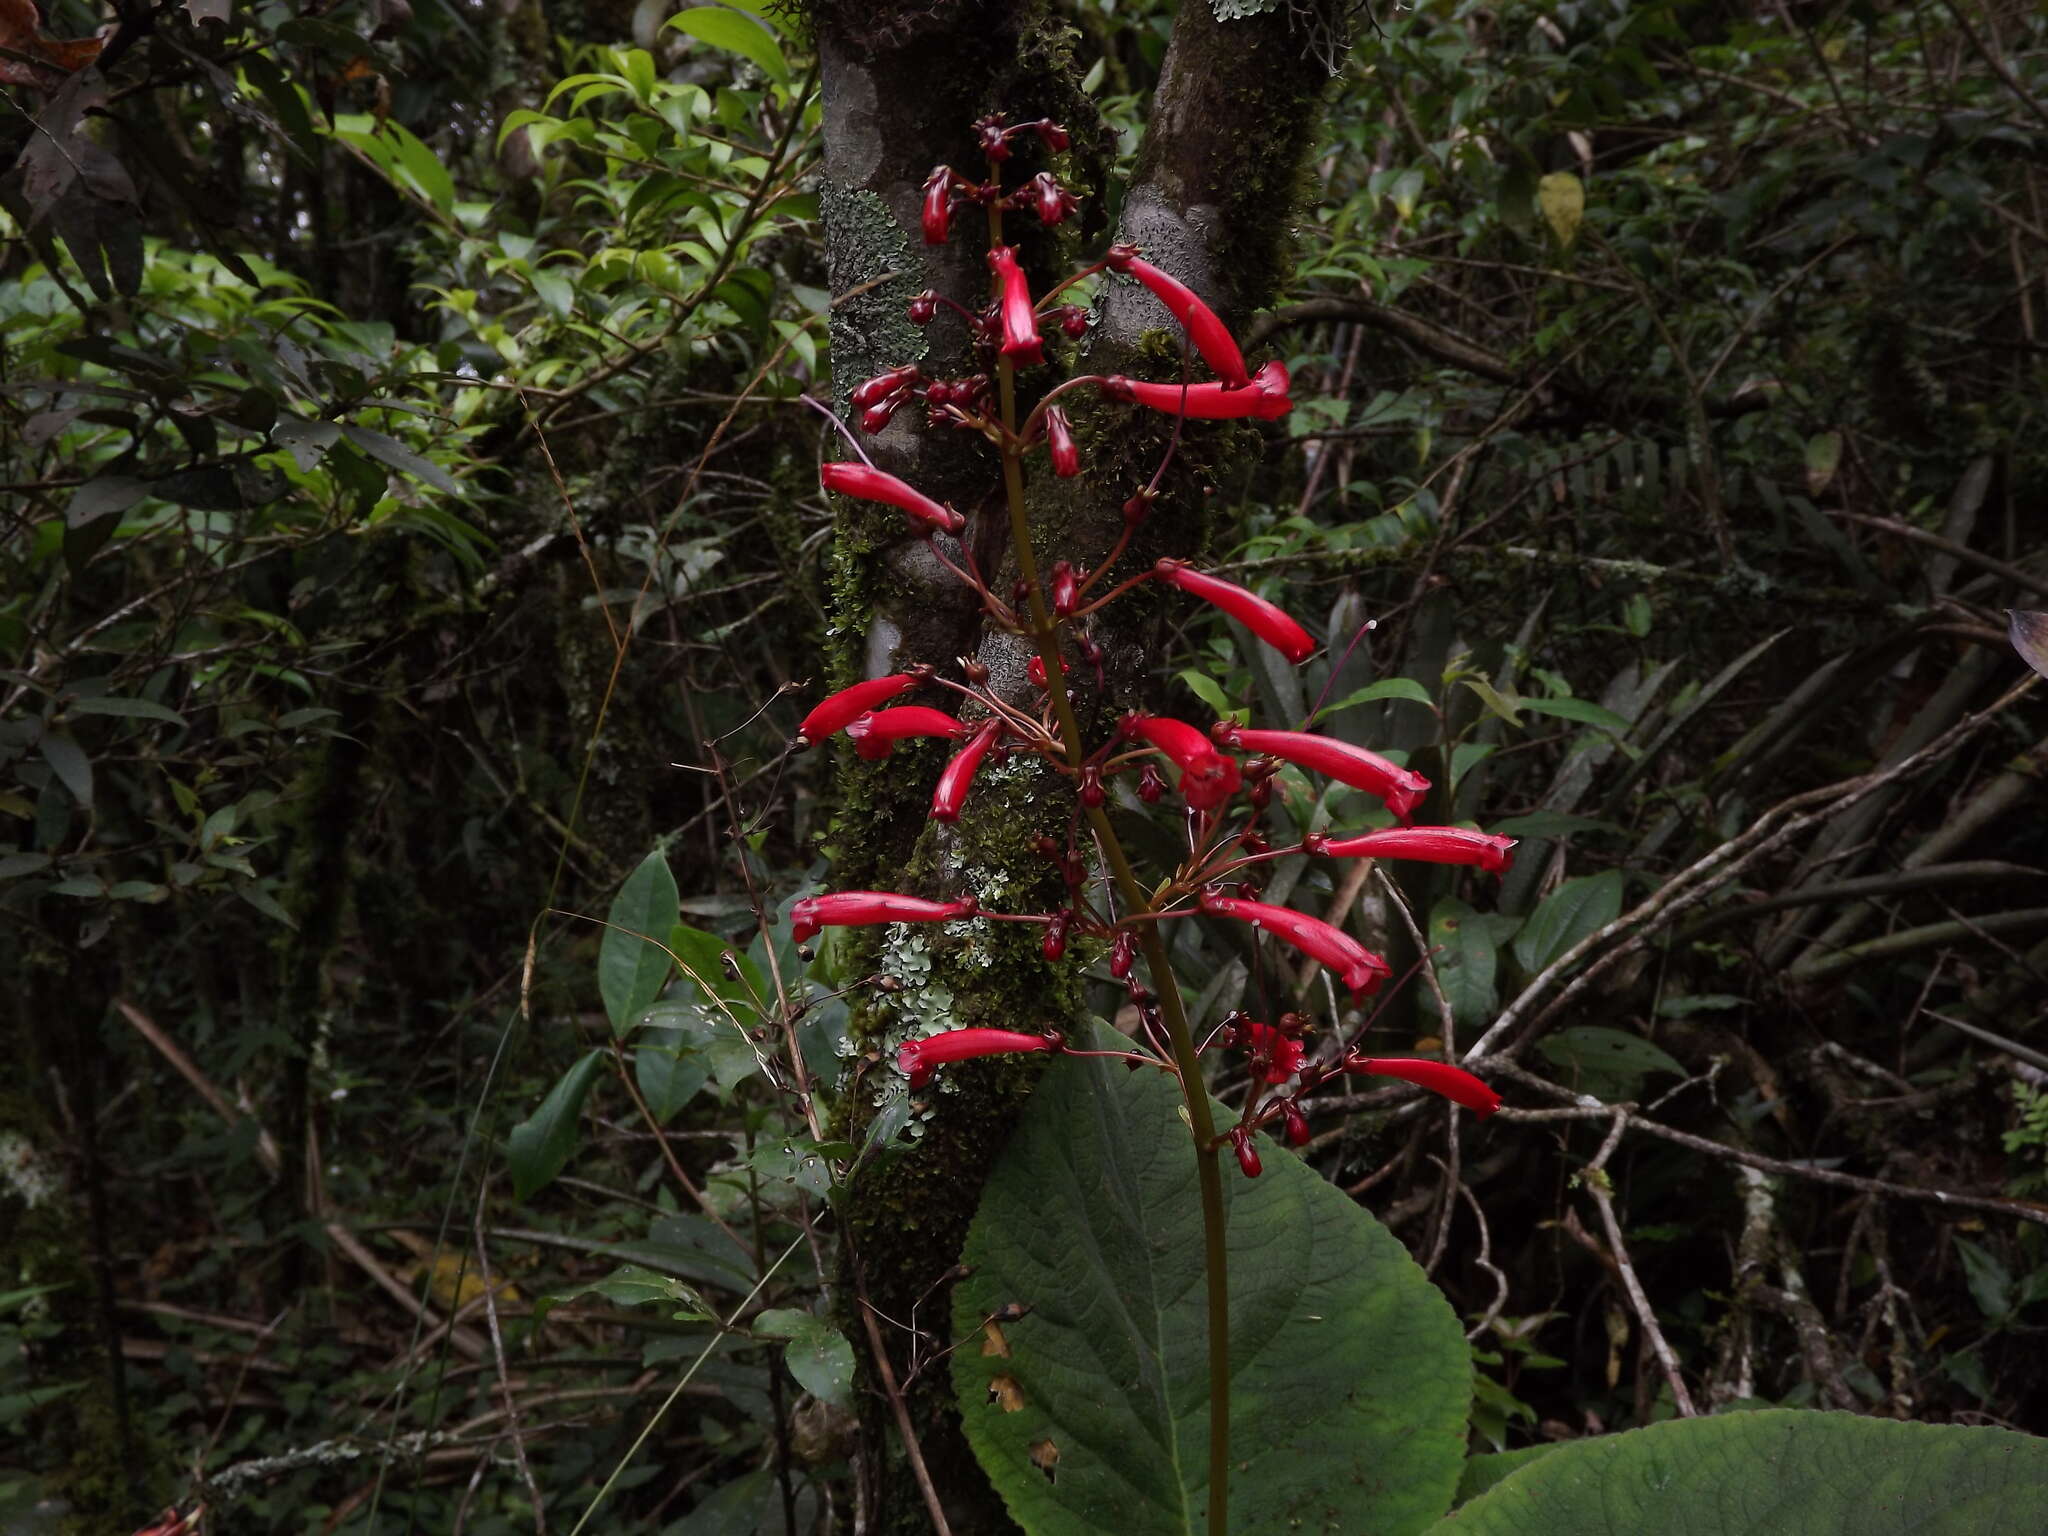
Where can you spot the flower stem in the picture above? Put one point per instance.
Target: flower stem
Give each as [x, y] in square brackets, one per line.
[1173, 1014]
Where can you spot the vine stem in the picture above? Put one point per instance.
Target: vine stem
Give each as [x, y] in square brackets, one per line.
[1172, 1012]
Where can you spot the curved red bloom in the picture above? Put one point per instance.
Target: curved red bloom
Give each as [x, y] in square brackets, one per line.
[958, 776]
[1020, 321]
[1048, 199]
[918, 1057]
[1454, 1083]
[1209, 335]
[938, 204]
[1357, 967]
[839, 710]
[1274, 1057]
[856, 909]
[1265, 400]
[874, 734]
[1208, 778]
[865, 484]
[1432, 845]
[1059, 442]
[1266, 620]
[1296, 1123]
[1339, 760]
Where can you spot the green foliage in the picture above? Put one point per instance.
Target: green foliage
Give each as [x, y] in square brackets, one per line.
[1766, 1472]
[1349, 1377]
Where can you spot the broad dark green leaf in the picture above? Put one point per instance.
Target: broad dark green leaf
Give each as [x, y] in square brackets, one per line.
[1611, 1063]
[1770, 1474]
[98, 498]
[631, 1286]
[539, 1146]
[1567, 915]
[1351, 1377]
[736, 34]
[68, 761]
[669, 1069]
[133, 709]
[389, 450]
[632, 966]
[1467, 945]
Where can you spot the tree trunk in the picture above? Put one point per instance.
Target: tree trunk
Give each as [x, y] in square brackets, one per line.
[1216, 186]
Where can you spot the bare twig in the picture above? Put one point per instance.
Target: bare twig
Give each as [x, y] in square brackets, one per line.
[1593, 1179]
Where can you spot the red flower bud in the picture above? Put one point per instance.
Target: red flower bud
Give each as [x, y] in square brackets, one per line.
[874, 734]
[1208, 778]
[1054, 944]
[1247, 1154]
[1123, 953]
[1066, 587]
[1139, 507]
[1357, 967]
[1035, 670]
[1454, 1083]
[1400, 789]
[1265, 400]
[1266, 620]
[938, 204]
[839, 710]
[876, 417]
[1051, 134]
[1208, 334]
[1091, 792]
[865, 484]
[854, 909]
[994, 136]
[1049, 199]
[1073, 319]
[1020, 325]
[895, 381]
[1295, 1122]
[916, 1058]
[958, 775]
[923, 307]
[1432, 845]
[1060, 444]
[1151, 784]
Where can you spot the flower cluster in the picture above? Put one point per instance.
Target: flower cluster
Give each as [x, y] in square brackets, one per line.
[1224, 773]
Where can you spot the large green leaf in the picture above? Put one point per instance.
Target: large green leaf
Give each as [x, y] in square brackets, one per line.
[1770, 1473]
[1350, 1377]
[632, 966]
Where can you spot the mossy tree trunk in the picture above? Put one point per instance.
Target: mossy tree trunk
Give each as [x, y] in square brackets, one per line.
[1214, 195]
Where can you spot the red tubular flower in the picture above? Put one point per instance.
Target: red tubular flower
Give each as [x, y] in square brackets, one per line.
[958, 776]
[876, 733]
[1051, 134]
[1020, 322]
[1264, 619]
[1454, 1083]
[1035, 670]
[1432, 845]
[1247, 1154]
[1209, 335]
[1060, 444]
[895, 381]
[917, 1057]
[1275, 1057]
[938, 204]
[865, 484]
[1399, 788]
[856, 909]
[841, 709]
[1266, 400]
[1123, 953]
[1357, 967]
[1066, 587]
[1208, 778]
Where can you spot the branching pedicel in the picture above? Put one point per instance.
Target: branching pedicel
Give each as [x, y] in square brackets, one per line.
[1224, 797]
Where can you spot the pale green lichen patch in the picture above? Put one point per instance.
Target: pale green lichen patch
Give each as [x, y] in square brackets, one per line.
[24, 1172]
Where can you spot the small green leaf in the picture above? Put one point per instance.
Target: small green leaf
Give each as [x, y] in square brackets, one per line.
[97, 498]
[1823, 458]
[669, 1069]
[736, 34]
[632, 966]
[817, 1354]
[1207, 689]
[1405, 688]
[1609, 1063]
[67, 759]
[1566, 916]
[389, 450]
[1492, 698]
[539, 1146]
[630, 1285]
[132, 709]
[1583, 710]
